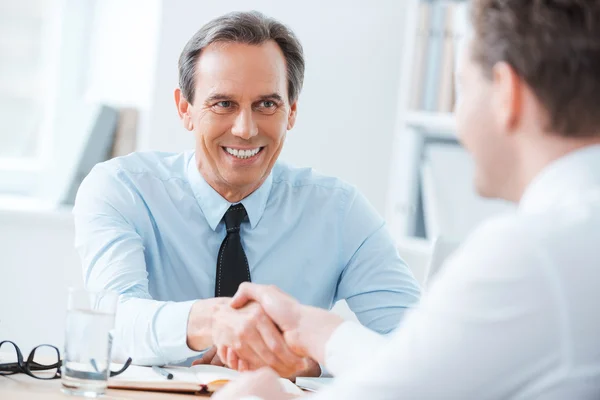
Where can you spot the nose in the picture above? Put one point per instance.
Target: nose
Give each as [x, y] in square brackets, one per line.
[244, 125]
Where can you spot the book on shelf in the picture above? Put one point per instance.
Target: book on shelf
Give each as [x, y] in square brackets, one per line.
[441, 29]
[125, 133]
[433, 62]
[419, 57]
[93, 127]
[445, 95]
[100, 132]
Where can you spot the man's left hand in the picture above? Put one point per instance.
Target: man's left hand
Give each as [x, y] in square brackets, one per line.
[313, 370]
[211, 357]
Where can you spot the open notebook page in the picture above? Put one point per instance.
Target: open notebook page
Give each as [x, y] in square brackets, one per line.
[194, 379]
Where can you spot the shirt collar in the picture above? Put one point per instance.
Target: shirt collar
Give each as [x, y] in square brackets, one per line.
[214, 206]
[565, 180]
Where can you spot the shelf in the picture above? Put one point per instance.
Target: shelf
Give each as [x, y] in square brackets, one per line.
[434, 125]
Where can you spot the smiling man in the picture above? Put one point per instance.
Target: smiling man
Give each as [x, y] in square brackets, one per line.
[176, 234]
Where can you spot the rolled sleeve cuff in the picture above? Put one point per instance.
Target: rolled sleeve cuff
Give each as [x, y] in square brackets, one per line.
[324, 372]
[349, 345]
[171, 332]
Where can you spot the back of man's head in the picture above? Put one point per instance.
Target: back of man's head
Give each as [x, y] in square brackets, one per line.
[554, 46]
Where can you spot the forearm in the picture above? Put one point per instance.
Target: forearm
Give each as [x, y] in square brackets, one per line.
[152, 332]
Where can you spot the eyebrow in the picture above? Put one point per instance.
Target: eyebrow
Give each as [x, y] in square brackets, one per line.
[272, 96]
[218, 97]
[226, 97]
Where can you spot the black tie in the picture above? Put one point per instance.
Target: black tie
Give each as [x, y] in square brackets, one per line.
[232, 264]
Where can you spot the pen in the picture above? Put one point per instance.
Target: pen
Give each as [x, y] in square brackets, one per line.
[162, 372]
[93, 362]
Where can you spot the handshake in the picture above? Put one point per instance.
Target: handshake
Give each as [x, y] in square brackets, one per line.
[260, 327]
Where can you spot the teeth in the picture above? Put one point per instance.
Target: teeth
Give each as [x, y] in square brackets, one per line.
[243, 154]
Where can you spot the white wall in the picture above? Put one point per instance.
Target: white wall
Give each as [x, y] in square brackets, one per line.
[348, 107]
[37, 265]
[122, 52]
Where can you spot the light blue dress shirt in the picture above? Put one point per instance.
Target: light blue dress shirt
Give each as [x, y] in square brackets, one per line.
[149, 227]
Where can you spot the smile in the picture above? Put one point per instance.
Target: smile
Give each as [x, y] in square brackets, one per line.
[243, 154]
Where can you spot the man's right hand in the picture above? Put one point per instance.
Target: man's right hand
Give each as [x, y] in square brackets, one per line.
[305, 329]
[248, 333]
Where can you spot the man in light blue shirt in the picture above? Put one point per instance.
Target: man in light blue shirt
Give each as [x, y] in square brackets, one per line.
[151, 225]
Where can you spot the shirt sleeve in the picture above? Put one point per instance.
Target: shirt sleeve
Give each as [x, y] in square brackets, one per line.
[112, 254]
[476, 334]
[338, 356]
[375, 282]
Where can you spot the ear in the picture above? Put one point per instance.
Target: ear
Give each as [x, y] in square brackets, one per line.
[507, 96]
[292, 115]
[183, 109]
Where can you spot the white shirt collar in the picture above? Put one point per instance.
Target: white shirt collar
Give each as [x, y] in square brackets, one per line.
[563, 181]
[214, 206]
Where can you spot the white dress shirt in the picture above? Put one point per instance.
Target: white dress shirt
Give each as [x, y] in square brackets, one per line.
[513, 314]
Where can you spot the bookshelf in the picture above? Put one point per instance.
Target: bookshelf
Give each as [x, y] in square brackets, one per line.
[433, 33]
[432, 125]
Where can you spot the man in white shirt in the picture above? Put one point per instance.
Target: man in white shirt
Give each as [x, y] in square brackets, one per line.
[513, 313]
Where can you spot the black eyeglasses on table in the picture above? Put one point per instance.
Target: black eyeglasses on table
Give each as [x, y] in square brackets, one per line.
[43, 361]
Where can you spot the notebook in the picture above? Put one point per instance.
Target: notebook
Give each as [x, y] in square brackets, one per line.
[313, 384]
[196, 379]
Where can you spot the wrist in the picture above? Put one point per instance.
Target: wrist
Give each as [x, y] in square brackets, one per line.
[201, 321]
[315, 327]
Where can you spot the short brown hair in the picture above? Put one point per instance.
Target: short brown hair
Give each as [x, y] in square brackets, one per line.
[248, 28]
[554, 46]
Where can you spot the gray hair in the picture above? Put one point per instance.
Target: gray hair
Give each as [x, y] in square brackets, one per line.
[251, 28]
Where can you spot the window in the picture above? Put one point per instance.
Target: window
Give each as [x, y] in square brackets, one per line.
[25, 32]
[42, 69]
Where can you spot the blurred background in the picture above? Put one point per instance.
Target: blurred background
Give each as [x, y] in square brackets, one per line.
[82, 81]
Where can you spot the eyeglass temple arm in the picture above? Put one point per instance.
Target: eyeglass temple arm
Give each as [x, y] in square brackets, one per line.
[123, 368]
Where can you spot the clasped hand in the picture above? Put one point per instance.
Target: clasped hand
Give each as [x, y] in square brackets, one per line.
[245, 338]
[305, 331]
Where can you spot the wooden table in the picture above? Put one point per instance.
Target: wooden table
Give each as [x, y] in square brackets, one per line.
[23, 387]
